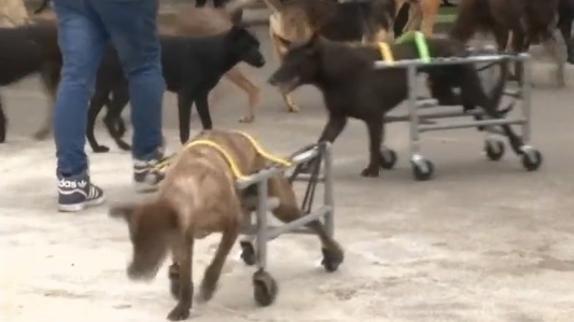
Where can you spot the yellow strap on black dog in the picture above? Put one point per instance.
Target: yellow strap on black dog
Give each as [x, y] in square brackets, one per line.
[386, 53]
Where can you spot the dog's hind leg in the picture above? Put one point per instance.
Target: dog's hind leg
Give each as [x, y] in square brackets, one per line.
[181, 279]
[184, 108]
[203, 111]
[375, 129]
[213, 271]
[113, 119]
[97, 103]
[237, 78]
[473, 95]
[288, 211]
[50, 78]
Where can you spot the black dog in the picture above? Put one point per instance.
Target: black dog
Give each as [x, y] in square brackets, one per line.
[191, 68]
[28, 50]
[351, 87]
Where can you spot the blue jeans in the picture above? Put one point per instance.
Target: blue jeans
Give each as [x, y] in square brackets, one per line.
[85, 28]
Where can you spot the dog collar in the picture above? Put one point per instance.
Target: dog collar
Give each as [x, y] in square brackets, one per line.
[386, 53]
[420, 41]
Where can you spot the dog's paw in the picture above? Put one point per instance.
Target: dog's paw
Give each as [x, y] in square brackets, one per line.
[247, 119]
[371, 172]
[101, 149]
[179, 313]
[123, 145]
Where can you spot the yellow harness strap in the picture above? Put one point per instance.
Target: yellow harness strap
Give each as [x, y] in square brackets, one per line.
[232, 164]
[386, 52]
[264, 153]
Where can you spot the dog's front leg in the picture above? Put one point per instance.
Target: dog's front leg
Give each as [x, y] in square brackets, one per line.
[98, 101]
[183, 258]
[203, 110]
[113, 119]
[375, 128]
[184, 101]
[213, 271]
[334, 127]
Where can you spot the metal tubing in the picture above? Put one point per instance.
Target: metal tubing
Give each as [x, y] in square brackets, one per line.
[450, 61]
[413, 115]
[526, 102]
[262, 229]
[272, 233]
[328, 198]
[272, 171]
[462, 125]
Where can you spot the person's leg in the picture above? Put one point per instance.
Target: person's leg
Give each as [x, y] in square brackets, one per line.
[133, 30]
[81, 41]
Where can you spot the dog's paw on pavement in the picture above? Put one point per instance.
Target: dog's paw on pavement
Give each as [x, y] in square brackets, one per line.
[178, 314]
[371, 172]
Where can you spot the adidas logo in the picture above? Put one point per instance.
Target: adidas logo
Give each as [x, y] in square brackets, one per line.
[68, 184]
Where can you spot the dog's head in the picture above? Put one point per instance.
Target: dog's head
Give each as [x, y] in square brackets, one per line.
[151, 226]
[300, 66]
[245, 46]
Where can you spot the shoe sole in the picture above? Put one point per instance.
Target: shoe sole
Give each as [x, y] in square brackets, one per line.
[81, 206]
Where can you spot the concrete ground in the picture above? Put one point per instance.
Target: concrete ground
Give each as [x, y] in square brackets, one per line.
[483, 241]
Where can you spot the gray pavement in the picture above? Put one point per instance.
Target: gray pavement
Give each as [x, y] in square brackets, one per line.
[483, 241]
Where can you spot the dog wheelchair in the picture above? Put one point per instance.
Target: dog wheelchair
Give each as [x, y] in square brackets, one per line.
[423, 115]
[259, 232]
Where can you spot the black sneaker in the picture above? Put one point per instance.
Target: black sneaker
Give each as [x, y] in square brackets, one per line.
[147, 173]
[76, 193]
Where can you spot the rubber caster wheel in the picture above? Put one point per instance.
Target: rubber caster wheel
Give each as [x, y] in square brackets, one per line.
[532, 160]
[248, 253]
[331, 259]
[264, 288]
[389, 159]
[423, 169]
[494, 150]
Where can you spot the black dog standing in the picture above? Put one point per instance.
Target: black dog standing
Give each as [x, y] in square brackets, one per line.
[352, 87]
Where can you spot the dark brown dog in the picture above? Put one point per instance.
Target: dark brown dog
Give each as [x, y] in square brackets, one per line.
[198, 197]
[351, 87]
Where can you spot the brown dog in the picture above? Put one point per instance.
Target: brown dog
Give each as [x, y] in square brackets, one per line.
[518, 22]
[13, 13]
[206, 21]
[198, 197]
[422, 14]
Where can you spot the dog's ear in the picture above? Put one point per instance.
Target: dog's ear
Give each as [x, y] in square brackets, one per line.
[124, 211]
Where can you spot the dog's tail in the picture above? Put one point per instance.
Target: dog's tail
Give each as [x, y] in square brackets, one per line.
[42, 6]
